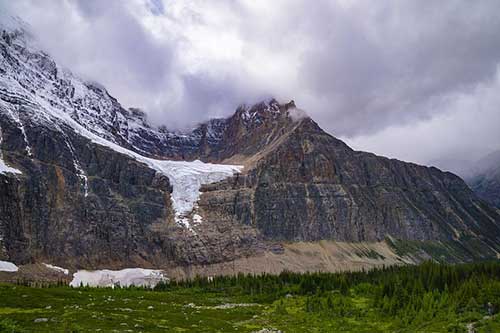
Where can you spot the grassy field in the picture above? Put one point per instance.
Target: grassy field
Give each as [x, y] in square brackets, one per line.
[231, 307]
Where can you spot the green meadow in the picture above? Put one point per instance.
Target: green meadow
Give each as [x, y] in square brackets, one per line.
[426, 298]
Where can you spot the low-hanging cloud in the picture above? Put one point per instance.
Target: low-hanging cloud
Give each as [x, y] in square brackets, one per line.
[364, 70]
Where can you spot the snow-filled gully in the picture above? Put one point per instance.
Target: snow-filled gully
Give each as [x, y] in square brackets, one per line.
[20, 125]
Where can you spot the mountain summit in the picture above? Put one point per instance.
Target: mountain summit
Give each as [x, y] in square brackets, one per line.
[86, 183]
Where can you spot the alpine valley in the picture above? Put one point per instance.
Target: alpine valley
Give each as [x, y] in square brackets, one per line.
[88, 184]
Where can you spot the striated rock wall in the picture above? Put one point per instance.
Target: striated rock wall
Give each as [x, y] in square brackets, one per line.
[313, 187]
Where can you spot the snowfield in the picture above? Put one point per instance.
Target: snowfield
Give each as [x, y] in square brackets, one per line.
[185, 177]
[57, 268]
[6, 266]
[124, 278]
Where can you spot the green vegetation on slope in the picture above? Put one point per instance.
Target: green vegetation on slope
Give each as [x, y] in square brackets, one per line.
[426, 298]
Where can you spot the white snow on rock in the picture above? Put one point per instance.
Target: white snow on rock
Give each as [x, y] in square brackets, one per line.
[57, 268]
[6, 266]
[124, 278]
[22, 129]
[4, 168]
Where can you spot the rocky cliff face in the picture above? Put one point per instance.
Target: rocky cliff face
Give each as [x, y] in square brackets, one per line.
[89, 192]
[312, 186]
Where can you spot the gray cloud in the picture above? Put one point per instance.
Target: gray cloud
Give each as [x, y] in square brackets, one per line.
[102, 41]
[393, 63]
[465, 130]
[364, 70]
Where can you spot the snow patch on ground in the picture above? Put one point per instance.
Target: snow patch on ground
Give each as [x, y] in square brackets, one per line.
[57, 268]
[197, 218]
[6, 266]
[124, 278]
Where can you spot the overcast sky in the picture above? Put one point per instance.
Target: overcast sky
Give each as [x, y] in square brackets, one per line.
[416, 80]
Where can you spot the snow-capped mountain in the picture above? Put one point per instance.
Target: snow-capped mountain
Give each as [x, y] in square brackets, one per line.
[86, 183]
[29, 74]
[58, 98]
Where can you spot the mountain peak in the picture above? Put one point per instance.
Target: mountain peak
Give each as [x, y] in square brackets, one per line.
[268, 110]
